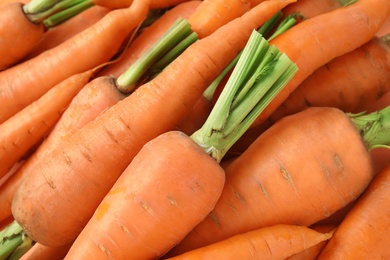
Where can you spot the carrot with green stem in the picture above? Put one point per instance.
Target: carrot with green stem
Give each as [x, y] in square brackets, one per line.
[19, 133]
[109, 143]
[22, 31]
[184, 191]
[36, 76]
[364, 230]
[302, 169]
[274, 242]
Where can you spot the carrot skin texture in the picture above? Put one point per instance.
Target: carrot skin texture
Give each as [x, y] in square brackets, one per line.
[26, 128]
[364, 231]
[333, 38]
[147, 37]
[18, 34]
[92, 47]
[273, 242]
[93, 99]
[350, 82]
[41, 252]
[121, 136]
[311, 8]
[266, 184]
[169, 187]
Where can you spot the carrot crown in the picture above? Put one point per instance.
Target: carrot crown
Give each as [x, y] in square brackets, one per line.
[373, 127]
[261, 72]
[14, 242]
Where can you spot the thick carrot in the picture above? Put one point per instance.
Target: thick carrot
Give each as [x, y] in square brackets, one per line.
[147, 37]
[350, 82]
[60, 33]
[133, 222]
[299, 171]
[93, 99]
[27, 127]
[94, 46]
[316, 41]
[41, 252]
[274, 242]
[310, 8]
[18, 34]
[109, 143]
[363, 234]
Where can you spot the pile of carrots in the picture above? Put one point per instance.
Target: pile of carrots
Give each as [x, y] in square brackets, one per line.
[186, 129]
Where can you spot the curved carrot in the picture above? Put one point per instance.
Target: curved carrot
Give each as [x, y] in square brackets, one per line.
[60, 33]
[363, 232]
[316, 41]
[269, 183]
[26, 128]
[93, 99]
[94, 46]
[350, 82]
[274, 242]
[19, 35]
[147, 37]
[133, 222]
[109, 143]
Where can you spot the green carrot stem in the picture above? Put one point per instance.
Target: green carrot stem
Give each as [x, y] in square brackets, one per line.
[127, 81]
[66, 14]
[373, 127]
[14, 242]
[347, 2]
[38, 6]
[259, 75]
[267, 27]
[284, 25]
[38, 15]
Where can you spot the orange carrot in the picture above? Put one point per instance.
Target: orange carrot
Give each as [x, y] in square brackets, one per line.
[109, 143]
[94, 46]
[60, 33]
[41, 252]
[93, 99]
[133, 222]
[154, 4]
[316, 41]
[299, 171]
[274, 242]
[19, 35]
[350, 82]
[364, 231]
[147, 37]
[26, 128]
[310, 8]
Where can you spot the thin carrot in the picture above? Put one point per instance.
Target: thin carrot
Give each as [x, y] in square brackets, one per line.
[364, 231]
[274, 242]
[109, 143]
[350, 82]
[93, 99]
[58, 34]
[94, 46]
[316, 41]
[27, 127]
[147, 37]
[299, 171]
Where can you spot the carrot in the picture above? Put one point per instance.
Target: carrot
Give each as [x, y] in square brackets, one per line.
[38, 75]
[309, 8]
[19, 34]
[314, 42]
[350, 82]
[269, 183]
[60, 33]
[114, 137]
[363, 232]
[147, 37]
[26, 128]
[185, 190]
[311, 253]
[154, 4]
[273, 242]
[41, 252]
[94, 98]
